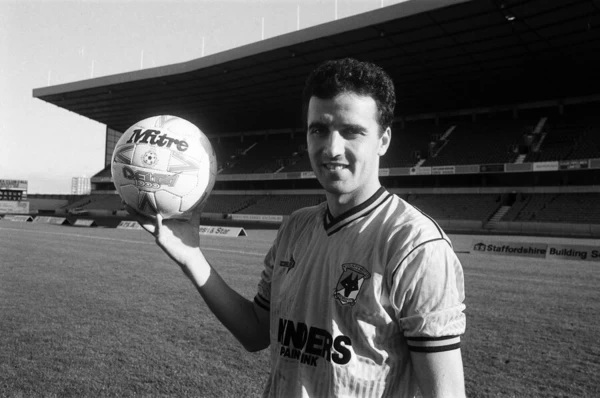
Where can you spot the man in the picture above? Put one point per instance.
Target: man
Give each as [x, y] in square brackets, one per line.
[361, 295]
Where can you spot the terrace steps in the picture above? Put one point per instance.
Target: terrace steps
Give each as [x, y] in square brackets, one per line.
[493, 221]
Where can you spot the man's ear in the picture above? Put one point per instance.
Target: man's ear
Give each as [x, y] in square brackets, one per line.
[384, 141]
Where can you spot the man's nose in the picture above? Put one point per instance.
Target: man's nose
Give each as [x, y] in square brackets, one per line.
[334, 145]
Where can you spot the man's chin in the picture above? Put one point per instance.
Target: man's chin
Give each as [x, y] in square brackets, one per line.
[335, 187]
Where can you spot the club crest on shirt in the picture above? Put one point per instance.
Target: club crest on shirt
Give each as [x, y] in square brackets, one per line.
[350, 282]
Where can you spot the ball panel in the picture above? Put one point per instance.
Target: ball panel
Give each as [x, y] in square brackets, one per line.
[186, 184]
[151, 157]
[169, 205]
[124, 153]
[129, 194]
[181, 163]
[147, 203]
[189, 202]
[144, 178]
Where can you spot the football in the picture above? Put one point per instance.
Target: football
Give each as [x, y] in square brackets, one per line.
[164, 165]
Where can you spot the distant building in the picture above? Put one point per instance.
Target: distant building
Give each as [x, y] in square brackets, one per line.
[81, 186]
[13, 195]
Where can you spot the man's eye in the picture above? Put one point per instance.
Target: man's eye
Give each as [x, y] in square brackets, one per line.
[352, 132]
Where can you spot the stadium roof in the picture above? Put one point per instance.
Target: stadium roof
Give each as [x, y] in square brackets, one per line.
[442, 55]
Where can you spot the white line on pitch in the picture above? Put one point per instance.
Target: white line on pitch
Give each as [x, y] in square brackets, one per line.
[126, 241]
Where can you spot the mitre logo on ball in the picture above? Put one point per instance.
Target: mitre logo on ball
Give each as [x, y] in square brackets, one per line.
[164, 164]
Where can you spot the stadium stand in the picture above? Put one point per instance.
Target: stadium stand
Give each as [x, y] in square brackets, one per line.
[456, 206]
[482, 142]
[588, 142]
[47, 204]
[559, 142]
[301, 162]
[571, 136]
[227, 204]
[228, 149]
[78, 204]
[511, 106]
[282, 204]
[576, 208]
[411, 143]
[266, 155]
[109, 202]
[517, 207]
[407, 147]
[589, 147]
[105, 202]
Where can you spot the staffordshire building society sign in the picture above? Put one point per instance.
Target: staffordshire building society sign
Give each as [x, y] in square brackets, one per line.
[537, 250]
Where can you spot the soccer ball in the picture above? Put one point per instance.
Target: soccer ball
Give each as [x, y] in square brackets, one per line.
[164, 165]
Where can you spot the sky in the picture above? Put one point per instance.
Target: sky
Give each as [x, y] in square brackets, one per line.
[45, 43]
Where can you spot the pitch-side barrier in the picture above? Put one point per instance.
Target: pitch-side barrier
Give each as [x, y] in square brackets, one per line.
[17, 218]
[85, 222]
[548, 251]
[51, 220]
[233, 232]
[129, 225]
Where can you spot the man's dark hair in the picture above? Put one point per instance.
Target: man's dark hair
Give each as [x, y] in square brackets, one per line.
[349, 75]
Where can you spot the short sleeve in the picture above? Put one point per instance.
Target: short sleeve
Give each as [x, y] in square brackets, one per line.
[427, 295]
[263, 295]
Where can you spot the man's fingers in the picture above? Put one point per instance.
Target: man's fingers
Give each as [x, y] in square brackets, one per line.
[159, 221]
[146, 222]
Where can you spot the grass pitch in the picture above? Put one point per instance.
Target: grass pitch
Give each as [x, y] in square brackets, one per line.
[103, 312]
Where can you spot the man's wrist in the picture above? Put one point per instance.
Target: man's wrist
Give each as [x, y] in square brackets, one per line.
[198, 269]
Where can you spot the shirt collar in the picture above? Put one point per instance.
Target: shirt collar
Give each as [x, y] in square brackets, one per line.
[334, 224]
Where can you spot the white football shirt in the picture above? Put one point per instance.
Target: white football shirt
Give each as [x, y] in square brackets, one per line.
[350, 296]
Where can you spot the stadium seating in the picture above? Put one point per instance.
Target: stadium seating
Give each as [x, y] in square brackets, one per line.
[84, 200]
[301, 163]
[109, 202]
[226, 204]
[282, 204]
[45, 205]
[456, 206]
[571, 136]
[559, 142]
[227, 150]
[482, 142]
[517, 207]
[266, 155]
[589, 144]
[414, 138]
[576, 208]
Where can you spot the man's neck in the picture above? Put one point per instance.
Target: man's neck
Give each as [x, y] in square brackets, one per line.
[339, 204]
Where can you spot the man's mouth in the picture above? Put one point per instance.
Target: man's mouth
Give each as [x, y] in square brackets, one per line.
[334, 166]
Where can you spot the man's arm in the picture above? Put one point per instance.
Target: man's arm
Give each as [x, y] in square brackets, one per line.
[180, 240]
[431, 290]
[439, 374]
[248, 322]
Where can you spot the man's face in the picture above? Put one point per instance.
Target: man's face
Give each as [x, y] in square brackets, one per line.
[344, 144]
